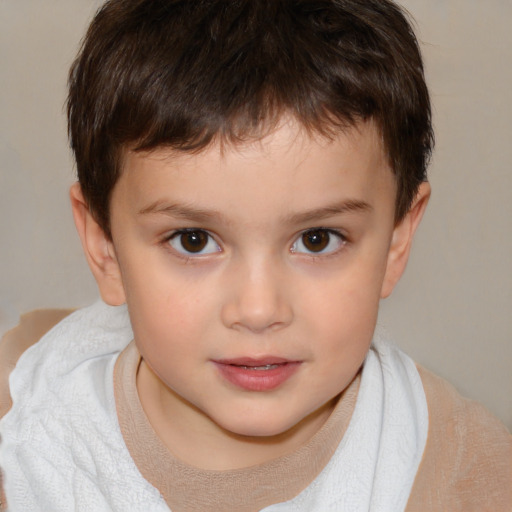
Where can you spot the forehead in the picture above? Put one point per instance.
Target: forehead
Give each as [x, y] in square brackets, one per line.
[286, 169]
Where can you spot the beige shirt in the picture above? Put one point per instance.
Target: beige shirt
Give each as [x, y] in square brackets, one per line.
[467, 463]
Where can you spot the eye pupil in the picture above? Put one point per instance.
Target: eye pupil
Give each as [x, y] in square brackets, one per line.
[315, 241]
[194, 241]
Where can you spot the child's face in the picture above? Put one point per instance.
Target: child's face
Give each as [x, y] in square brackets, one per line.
[253, 275]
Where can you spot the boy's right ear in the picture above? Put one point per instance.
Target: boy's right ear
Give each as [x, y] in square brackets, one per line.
[98, 249]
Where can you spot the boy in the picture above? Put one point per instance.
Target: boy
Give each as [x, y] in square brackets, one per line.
[251, 175]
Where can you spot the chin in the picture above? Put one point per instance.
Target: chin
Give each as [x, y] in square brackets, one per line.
[260, 427]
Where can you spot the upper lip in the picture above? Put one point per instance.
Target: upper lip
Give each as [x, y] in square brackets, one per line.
[251, 361]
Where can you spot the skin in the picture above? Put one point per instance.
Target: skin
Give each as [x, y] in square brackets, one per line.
[256, 289]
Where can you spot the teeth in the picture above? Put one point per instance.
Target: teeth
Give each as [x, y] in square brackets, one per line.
[265, 367]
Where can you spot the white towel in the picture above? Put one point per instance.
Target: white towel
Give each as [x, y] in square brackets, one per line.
[62, 449]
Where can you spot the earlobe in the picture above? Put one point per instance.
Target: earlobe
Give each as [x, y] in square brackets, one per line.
[401, 241]
[99, 250]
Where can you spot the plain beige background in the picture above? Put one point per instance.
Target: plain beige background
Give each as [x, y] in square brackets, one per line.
[452, 310]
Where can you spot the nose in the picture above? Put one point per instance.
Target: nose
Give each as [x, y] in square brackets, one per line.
[256, 300]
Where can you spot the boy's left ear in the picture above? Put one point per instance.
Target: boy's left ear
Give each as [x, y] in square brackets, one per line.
[401, 240]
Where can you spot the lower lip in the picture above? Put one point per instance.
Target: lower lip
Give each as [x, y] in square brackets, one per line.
[257, 380]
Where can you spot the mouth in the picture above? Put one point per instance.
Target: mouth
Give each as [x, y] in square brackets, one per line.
[264, 367]
[263, 374]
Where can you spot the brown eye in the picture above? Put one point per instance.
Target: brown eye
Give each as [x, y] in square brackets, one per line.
[194, 241]
[316, 241]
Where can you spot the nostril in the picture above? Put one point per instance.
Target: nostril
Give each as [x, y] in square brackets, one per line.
[257, 316]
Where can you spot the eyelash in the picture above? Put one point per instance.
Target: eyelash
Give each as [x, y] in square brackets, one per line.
[341, 238]
[209, 239]
[342, 241]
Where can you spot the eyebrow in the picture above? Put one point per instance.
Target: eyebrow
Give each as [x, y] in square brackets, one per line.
[347, 206]
[190, 212]
[180, 211]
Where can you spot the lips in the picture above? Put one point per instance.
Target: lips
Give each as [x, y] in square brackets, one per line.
[262, 374]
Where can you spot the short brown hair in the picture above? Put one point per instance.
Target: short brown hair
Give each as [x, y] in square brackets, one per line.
[183, 73]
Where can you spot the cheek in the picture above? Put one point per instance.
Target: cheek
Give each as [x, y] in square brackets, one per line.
[170, 332]
[344, 310]
[170, 314]
[167, 310]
